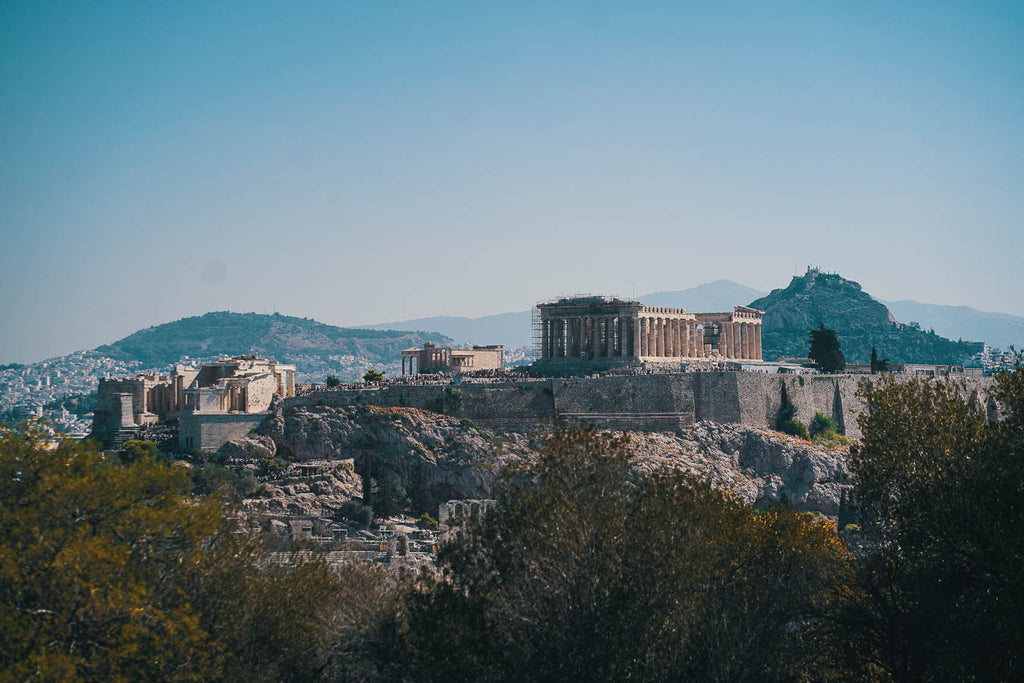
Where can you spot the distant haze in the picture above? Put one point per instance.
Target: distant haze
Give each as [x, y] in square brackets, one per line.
[358, 162]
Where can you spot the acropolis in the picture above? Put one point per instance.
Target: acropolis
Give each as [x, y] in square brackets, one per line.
[609, 330]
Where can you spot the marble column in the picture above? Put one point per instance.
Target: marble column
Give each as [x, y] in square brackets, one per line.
[757, 342]
[630, 340]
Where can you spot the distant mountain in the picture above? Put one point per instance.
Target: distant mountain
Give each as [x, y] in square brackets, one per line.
[510, 329]
[274, 336]
[513, 329]
[720, 295]
[962, 322]
[860, 322]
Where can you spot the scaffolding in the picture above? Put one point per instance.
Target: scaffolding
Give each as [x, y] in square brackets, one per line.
[536, 334]
[537, 325]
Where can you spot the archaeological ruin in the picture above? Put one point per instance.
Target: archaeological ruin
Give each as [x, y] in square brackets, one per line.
[219, 401]
[433, 359]
[608, 331]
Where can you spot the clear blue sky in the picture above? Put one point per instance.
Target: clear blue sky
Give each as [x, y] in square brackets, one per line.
[358, 162]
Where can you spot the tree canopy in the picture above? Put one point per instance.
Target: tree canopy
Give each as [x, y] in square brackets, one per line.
[941, 497]
[585, 570]
[825, 351]
[112, 570]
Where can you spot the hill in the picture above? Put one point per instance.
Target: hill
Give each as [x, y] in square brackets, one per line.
[510, 329]
[720, 295]
[860, 321]
[997, 329]
[277, 336]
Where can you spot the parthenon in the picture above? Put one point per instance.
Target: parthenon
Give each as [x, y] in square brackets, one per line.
[612, 330]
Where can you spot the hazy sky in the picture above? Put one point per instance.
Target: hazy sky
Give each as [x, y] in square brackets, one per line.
[358, 162]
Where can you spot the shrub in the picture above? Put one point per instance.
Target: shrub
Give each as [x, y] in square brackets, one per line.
[427, 522]
[822, 423]
[794, 427]
[356, 513]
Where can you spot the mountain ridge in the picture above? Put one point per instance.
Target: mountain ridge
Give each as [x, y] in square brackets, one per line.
[224, 333]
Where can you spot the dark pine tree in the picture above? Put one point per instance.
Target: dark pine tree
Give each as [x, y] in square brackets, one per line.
[825, 352]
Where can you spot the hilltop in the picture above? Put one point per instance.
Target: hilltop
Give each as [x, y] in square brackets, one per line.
[315, 348]
[283, 337]
[860, 321]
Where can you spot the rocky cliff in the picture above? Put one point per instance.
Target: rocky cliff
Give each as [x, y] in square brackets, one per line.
[438, 458]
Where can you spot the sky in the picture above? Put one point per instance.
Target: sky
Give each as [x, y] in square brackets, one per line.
[359, 162]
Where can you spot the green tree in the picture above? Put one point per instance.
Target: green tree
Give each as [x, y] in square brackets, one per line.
[134, 451]
[825, 352]
[878, 365]
[585, 570]
[786, 421]
[90, 549]
[116, 572]
[371, 376]
[333, 381]
[942, 510]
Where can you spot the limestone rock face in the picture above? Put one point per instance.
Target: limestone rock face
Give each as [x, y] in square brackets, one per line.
[314, 488]
[250, 447]
[762, 467]
[439, 458]
[436, 458]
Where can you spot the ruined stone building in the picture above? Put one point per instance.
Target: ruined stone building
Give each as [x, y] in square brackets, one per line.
[609, 331]
[217, 402]
[433, 358]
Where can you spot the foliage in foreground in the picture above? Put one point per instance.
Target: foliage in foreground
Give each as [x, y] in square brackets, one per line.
[941, 492]
[586, 571]
[112, 570]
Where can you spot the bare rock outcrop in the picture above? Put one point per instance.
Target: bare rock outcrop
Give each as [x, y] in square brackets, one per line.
[760, 466]
[438, 458]
[316, 488]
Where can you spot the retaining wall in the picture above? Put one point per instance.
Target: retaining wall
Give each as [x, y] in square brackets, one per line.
[655, 402]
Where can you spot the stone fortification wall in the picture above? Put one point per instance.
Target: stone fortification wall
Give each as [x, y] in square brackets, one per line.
[655, 402]
[210, 432]
[634, 403]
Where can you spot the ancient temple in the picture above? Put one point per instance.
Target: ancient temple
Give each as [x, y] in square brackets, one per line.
[612, 330]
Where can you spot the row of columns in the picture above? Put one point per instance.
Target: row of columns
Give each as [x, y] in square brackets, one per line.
[740, 340]
[588, 337]
[644, 336]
